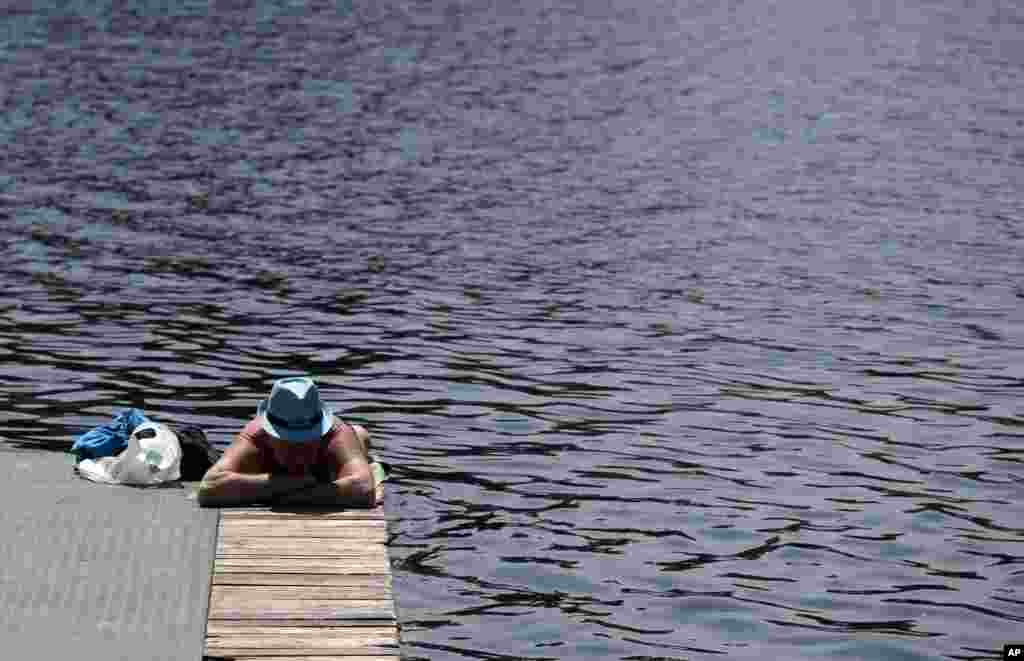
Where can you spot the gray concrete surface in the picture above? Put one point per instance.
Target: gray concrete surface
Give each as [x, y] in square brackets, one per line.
[99, 572]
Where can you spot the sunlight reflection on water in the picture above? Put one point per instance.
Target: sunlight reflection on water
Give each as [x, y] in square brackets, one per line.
[687, 331]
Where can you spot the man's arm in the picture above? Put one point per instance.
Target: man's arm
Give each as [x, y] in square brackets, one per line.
[349, 491]
[240, 478]
[227, 488]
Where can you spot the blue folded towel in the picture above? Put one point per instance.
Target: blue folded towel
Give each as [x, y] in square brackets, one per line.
[109, 439]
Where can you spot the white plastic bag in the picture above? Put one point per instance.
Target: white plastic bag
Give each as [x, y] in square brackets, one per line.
[153, 456]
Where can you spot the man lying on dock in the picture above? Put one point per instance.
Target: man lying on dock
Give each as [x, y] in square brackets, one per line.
[294, 452]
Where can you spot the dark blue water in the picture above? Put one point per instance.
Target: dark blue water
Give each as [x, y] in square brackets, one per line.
[691, 331]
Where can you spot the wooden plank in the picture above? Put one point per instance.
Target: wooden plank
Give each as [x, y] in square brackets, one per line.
[282, 546]
[302, 585]
[333, 657]
[298, 520]
[230, 639]
[361, 564]
[233, 653]
[298, 545]
[260, 561]
[365, 591]
[228, 653]
[337, 612]
[362, 529]
[252, 593]
[306, 624]
[326, 614]
[257, 538]
[272, 523]
[379, 633]
[380, 581]
[287, 546]
[276, 520]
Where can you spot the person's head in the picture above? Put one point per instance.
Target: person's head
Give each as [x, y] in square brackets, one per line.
[295, 419]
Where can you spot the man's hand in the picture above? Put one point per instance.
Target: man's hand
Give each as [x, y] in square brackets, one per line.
[351, 491]
[228, 489]
[307, 496]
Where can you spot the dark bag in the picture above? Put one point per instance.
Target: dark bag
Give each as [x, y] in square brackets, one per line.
[197, 454]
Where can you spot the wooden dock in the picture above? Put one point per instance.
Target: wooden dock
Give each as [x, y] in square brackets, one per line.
[302, 585]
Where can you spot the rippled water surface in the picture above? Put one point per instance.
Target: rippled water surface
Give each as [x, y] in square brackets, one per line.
[691, 331]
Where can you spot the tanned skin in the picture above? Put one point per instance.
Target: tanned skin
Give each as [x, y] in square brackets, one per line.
[241, 476]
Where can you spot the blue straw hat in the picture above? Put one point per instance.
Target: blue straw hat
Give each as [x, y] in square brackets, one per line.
[294, 412]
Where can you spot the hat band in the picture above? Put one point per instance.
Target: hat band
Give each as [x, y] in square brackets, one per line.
[302, 423]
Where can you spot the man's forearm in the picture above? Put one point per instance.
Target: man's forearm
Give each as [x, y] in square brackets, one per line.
[353, 491]
[247, 488]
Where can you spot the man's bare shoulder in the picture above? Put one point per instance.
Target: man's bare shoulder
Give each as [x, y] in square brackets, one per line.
[243, 455]
[347, 450]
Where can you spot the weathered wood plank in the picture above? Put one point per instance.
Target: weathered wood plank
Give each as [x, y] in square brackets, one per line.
[306, 624]
[301, 611]
[378, 581]
[302, 585]
[230, 639]
[355, 564]
[361, 529]
[298, 612]
[281, 546]
[300, 521]
[235, 653]
[230, 653]
[333, 657]
[306, 559]
[378, 590]
[302, 551]
[378, 633]
[300, 600]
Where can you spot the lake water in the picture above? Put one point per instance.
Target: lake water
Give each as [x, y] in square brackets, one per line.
[690, 330]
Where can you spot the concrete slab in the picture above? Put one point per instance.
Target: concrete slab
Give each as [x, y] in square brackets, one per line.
[99, 572]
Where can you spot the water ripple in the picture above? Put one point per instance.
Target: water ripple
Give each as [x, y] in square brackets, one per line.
[688, 332]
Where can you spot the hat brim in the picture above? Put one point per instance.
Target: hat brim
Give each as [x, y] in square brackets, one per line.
[291, 435]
